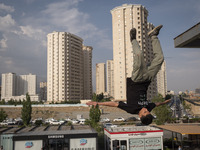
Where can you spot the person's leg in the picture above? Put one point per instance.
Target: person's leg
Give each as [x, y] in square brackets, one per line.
[156, 63]
[139, 66]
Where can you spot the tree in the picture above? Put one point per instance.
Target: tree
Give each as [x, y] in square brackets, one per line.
[99, 98]
[26, 110]
[94, 117]
[3, 115]
[163, 113]
[95, 114]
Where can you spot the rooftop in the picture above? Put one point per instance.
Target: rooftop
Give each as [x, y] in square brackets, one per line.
[48, 130]
[189, 39]
[132, 129]
[182, 128]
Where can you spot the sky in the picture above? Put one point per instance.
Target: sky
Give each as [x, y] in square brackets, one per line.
[24, 25]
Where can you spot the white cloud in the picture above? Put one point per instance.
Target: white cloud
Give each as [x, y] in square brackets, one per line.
[3, 43]
[6, 23]
[31, 32]
[6, 8]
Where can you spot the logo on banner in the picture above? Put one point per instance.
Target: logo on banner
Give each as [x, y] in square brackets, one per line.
[83, 141]
[29, 144]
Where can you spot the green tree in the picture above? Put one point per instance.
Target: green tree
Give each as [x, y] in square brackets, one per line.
[163, 113]
[95, 114]
[26, 110]
[3, 115]
[99, 98]
[94, 117]
[2, 102]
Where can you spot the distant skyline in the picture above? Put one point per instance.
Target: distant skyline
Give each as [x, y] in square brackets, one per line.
[24, 25]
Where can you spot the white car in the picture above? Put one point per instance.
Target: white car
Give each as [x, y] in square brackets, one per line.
[4, 123]
[119, 119]
[74, 121]
[49, 120]
[109, 125]
[105, 120]
[62, 121]
[55, 122]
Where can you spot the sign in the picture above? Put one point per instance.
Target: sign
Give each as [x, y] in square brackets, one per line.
[25, 145]
[153, 143]
[83, 141]
[55, 136]
[83, 144]
[145, 143]
[28, 144]
[136, 144]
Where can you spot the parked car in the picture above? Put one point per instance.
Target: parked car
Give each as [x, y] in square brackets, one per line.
[49, 120]
[131, 119]
[74, 121]
[11, 121]
[105, 120]
[119, 119]
[62, 121]
[55, 122]
[109, 125]
[4, 123]
[38, 119]
[82, 121]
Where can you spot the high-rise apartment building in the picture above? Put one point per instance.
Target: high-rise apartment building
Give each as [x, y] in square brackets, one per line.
[43, 91]
[65, 67]
[110, 77]
[26, 84]
[124, 18]
[8, 85]
[100, 78]
[87, 72]
[162, 80]
[16, 87]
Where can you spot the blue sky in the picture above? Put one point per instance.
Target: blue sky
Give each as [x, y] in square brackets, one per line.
[24, 25]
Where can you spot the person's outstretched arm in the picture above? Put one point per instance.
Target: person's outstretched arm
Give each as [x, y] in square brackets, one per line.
[162, 103]
[110, 103]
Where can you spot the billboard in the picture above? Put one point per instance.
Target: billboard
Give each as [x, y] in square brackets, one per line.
[28, 145]
[145, 143]
[83, 144]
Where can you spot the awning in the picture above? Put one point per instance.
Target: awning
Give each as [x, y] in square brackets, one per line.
[189, 39]
[182, 128]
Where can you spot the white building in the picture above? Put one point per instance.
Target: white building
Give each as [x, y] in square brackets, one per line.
[26, 84]
[100, 78]
[65, 67]
[15, 87]
[162, 80]
[110, 77]
[133, 138]
[124, 18]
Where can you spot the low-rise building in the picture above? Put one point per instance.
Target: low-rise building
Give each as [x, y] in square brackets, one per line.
[133, 137]
[49, 137]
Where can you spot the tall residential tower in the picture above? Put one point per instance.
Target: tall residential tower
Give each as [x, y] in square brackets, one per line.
[100, 78]
[110, 77]
[65, 67]
[87, 72]
[162, 80]
[124, 18]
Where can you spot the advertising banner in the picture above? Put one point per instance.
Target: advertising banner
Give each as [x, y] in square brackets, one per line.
[153, 143]
[145, 143]
[28, 145]
[83, 144]
[136, 144]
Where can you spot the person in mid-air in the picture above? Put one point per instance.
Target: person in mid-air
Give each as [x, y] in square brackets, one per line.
[142, 75]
